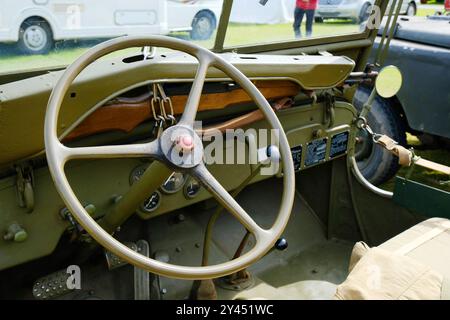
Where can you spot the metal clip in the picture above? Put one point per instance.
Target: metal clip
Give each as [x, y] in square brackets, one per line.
[24, 186]
[155, 102]
[148, 52]
[361, 123]
[161, 125]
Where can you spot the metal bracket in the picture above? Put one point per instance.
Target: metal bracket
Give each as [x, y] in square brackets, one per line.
[148, 52]
[75, 228]
[329, 113]
[25, 187]
[114, 261]
[141, 277]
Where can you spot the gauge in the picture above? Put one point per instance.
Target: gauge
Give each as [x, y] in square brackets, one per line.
[152, 203]
[174, 183]
[137, 173]
[191, 188]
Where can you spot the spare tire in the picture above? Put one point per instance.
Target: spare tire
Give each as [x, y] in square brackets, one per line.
[375, 163]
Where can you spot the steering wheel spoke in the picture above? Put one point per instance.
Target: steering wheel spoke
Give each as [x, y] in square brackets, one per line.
[193, 101]
[225, 199]
[150, 149]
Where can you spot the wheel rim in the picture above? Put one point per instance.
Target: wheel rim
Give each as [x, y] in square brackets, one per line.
[203, 26]
[35, 38]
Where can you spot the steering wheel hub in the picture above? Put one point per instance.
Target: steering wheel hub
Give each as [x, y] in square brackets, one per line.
[181, 147]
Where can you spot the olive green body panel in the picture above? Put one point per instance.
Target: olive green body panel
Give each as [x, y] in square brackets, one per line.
[422, 199]
[22, 110]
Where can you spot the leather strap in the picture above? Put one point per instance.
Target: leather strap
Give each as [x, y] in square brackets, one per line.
[403, 154]
[432, 165]
[406, 158]
[234, 123]
[245, 119]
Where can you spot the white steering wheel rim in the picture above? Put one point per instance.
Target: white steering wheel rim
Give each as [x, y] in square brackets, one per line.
[57, 155]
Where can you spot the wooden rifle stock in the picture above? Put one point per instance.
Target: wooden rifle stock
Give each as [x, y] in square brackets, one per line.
[125, 117]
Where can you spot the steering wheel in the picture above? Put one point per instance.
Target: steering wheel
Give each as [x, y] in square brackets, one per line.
[178, 147]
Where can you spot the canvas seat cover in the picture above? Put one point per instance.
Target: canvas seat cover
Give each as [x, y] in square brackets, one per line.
[413, 265]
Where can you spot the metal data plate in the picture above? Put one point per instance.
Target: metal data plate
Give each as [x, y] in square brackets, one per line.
[339, 144]
[316, 151]
[297, 156]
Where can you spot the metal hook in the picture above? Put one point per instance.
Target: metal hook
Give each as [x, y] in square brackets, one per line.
[172, 118]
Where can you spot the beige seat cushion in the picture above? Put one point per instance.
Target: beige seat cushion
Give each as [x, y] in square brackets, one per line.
[413, 265]
[428, 242]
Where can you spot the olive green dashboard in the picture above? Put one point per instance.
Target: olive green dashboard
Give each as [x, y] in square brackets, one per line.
[99, 183]
[23, 103]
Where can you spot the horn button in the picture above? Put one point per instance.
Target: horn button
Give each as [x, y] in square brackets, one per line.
[181, 146]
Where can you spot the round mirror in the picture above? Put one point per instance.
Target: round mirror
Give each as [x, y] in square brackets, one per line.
[389, 82]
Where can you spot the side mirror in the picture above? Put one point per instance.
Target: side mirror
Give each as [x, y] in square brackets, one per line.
[388, 82]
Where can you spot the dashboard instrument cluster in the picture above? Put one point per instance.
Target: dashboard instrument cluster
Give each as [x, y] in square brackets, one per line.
[176, 182]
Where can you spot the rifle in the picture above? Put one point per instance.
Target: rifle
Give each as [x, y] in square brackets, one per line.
[126, 114]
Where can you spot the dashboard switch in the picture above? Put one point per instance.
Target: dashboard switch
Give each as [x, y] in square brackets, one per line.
[281, 244]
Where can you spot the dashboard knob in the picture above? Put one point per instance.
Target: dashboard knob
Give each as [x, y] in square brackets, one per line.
[281, 244]
[15, 233]
[273, 153]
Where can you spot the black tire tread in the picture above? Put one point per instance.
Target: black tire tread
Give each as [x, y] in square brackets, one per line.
[383, 119]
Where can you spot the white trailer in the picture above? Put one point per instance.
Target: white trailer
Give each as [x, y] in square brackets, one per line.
[36, 24]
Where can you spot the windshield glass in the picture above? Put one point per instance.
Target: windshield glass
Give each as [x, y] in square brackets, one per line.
[39, 34]
[263, 21]
[44, 34]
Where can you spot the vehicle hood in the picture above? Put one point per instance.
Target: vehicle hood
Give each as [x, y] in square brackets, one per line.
[424, 30]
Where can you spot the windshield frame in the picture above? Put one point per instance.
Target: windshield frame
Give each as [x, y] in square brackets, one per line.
[287, 44]
[308, 45]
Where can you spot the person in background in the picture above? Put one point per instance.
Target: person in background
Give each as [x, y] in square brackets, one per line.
[303, 7]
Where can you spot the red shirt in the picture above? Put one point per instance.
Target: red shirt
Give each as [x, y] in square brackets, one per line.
[307, 4]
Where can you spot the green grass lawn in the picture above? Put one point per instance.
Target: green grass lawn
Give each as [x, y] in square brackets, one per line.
[238, 34]
[423, 12]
